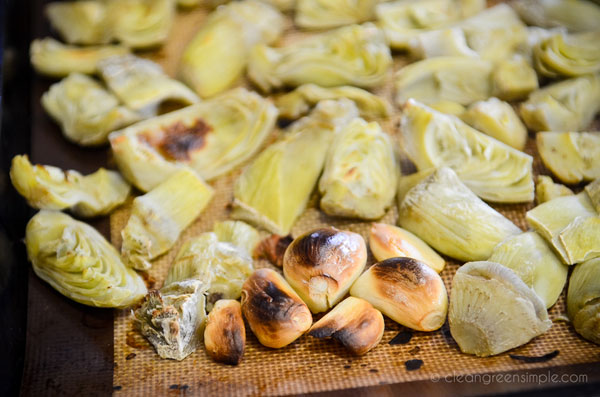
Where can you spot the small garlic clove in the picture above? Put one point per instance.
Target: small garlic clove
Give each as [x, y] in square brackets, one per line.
[225, 332]
[354, 322]
[275, 313]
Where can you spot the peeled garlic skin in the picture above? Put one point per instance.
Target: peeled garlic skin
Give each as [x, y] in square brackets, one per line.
[275, 313]
[354, 322]
[321, 266]
[407, 291]
[225, 332]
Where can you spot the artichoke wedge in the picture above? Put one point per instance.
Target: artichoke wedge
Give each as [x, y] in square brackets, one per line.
[568, 55]
[546, 189]
[282, 5]
[55, 59]
[239, 234]
[571, 156]
[532, 259]
[569, 105]
[80, 22]
[86, 112]
[212, 137]
[158, 217]
[457, 79]
[324, 14]
[217, 56]
[513, 79]
[492, 310]
[355, 55]
[449, 217]
[50, 188]
[141, 84]
[583, 299]
[575, 15]
[498, 120]
[493, 170]
[274, 190]
[361, 174]
[79, 263]
[298, 102]
[571, 225]
[593, 191]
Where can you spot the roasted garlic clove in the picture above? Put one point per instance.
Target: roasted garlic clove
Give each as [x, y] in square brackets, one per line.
[492, 310]
[158, 217]
[80, 22]
[79, 263]
[225, 332]
[353, 322]
[273, 248]
[449, 217]
[407, 291]
[583, 299]
[322, 264]
[275, 313]
[575, 15]
[532, 259]
[388, 241]
[324, 14]
[513, 79]
[546, 189]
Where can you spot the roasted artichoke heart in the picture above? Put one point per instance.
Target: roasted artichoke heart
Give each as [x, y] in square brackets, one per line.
[141, 84]
[583, 299]
[513, 79]
[492, 310]
[593, 191]
[298, 102]
[211, 137]
[546, 189]
[158, 217]
[532, 259]
[217, 56]
[50, 188]
[569, 105]
[86, 112]
[239, 234]
[360, 176]
[80, 22]
[568, 55]
[572, 156]
[55, 59]
[493, 170]
[355, 55]
[274, 190]
[575, 15]
[79, 263]
[323, 14]
[448, 216]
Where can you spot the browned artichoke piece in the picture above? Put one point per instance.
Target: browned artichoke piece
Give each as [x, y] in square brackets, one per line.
[322, 264]
[407, 291]
[354, 322]
[583, 299]
[275, 313]
[225, 333]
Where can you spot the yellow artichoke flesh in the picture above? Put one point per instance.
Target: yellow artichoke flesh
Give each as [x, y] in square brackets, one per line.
[583, 299]
[546, 189]
[324, 14]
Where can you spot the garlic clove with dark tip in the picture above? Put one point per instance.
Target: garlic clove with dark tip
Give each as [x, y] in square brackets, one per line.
[225, 332]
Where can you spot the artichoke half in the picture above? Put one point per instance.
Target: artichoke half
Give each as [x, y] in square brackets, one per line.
[50, 188]
[569, 105]
[354, 55]
[492, 310]
[546, 189]
[274, 190]
[79, 263]
[217, 56]
[571, 156]
[360, 176]
[568, 55]
[532, 259]
[80, 22]
[448, 216]
[159, 216]
[212, 137]
[491, 169]
[323, 14]
[583, 299]
[593, 191]
[86, 112]
[575, 15]
[513, 79]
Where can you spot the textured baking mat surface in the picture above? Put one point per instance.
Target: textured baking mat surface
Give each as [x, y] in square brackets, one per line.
[309, 364]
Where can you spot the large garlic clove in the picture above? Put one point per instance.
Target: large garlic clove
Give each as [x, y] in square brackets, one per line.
[275, 313]
[388, 241]
[225, 333]
[407, 291]
[321, 265]
[354, 322]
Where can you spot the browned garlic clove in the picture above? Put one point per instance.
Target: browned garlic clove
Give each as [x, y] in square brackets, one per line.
[275, 313]
[225, 332]
[354, 322]
[273, 248]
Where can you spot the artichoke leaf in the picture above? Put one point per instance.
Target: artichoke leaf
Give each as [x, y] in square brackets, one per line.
[583, 299]
[80, 22]
[575, 15]
[546, 189]
[568, 55]
[79, 263]
[324, 14]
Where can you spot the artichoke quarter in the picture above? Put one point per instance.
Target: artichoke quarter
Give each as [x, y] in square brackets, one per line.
[513, 79]
[583, 299]
[80, 22]
[360, 176]
[546, 189]
[323, 14]
[568, 55]
[50, 188]
[575, 15]
[79, 263]
[593, 191]
[449, 217]
[355, 55]
[492, 310]
[159, 216]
